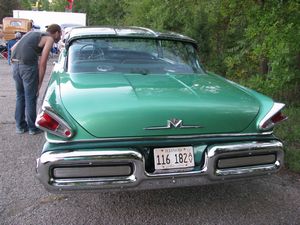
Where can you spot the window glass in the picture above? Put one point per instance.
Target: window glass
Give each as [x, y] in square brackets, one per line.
[16, 23]
[133, 55]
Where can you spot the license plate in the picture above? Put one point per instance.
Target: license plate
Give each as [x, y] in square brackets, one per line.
[173, 158]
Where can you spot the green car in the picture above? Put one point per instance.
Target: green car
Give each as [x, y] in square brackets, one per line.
[131, 108]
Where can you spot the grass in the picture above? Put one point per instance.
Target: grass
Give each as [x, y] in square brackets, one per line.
[289, 133]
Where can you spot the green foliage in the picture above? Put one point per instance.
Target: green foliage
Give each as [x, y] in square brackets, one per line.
[107, 12]
[45, 5]
[25, 4]
[271, 34]
[292, 159]
[256, 43]
[7, 7]
[289, 131]
[58, 5]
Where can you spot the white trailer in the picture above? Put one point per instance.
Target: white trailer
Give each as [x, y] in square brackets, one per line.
[45, 18]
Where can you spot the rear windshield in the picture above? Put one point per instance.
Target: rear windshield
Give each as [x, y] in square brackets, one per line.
[133, 55]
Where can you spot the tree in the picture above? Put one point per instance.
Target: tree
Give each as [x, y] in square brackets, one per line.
[271, 41]
[7, 7]
[58, 5]
[25, 4]
[45, 5]
[102, 12]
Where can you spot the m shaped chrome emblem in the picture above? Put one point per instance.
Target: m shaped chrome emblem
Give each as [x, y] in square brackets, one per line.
[174, 123]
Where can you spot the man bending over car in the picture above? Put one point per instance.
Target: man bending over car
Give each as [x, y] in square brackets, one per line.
[29, 61]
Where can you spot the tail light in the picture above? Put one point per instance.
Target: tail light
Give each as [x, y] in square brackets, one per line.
[273, 117]
[52, 123]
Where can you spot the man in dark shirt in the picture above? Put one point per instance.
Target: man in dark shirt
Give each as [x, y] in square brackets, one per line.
[29, 71]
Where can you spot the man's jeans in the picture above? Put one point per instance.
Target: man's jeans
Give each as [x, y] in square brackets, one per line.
[26, 80]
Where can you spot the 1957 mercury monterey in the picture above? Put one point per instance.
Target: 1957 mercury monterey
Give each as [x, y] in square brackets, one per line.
[131, 108]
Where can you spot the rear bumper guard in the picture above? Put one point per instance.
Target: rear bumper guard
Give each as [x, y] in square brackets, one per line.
[123, 168]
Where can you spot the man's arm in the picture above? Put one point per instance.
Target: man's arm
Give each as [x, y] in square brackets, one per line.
[43, 59]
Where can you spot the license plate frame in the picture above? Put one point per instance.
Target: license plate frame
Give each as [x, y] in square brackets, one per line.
[173, 158]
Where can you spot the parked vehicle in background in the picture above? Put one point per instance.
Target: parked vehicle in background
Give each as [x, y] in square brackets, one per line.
[132, 108]
[66, 29]
[13, 25]
[45, 18]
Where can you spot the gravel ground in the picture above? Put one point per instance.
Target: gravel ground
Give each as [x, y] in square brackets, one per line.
[23, 200]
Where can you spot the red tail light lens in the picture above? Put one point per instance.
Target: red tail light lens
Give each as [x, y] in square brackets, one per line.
[52, 123]
[46, 121]
[273, 117]
[278, 117]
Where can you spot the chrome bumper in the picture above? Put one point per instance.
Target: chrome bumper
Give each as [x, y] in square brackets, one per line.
[125, 169]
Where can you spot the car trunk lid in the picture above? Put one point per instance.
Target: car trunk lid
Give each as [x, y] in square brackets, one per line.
[132, 105]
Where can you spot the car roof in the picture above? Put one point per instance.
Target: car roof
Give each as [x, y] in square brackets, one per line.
[65, 25]
[141, 32]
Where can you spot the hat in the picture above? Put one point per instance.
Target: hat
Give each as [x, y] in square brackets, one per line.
[18, 35]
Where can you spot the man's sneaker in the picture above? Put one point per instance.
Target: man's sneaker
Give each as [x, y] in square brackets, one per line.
[21, 131]
[34, 132]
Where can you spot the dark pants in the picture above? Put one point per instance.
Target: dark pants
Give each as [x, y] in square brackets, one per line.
[26, 80]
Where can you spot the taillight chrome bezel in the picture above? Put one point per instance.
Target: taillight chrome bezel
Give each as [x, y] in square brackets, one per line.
[266, 123]
[61, 129]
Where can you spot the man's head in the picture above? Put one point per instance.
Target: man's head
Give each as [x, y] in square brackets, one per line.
[55, 31]
[18, 35]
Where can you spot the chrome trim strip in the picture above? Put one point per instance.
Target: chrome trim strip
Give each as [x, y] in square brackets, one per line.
[159, 137]
[275, 109]
[139, 179]
[173, 123]
[215, 152]
[92, 183]
[248, 170]
[88, 156]
[49, 160]
[144, 28]
[231, 148]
